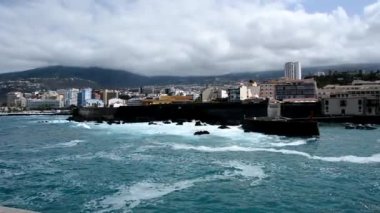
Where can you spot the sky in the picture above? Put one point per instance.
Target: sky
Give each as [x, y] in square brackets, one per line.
[187, 37]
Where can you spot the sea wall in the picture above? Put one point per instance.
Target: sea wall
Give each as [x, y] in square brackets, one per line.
[226, 113]
[221, 113]
[301, 110]
[95, 113]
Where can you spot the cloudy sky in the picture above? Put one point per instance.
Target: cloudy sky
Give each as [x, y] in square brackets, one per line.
[187, 37]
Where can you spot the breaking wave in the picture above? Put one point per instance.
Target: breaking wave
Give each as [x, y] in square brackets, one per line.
[229, 136]
[283, 144]
[349, 158]
[83, 125]
[62, 121]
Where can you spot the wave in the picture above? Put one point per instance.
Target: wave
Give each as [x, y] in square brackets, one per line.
[294, 143]
[107, 155]
[233, 134]
[187, 129]
[66, 144]
[7, 173]
[132, 196]
[83, 125]
[90, 156]
[349, 158]
[56, 121]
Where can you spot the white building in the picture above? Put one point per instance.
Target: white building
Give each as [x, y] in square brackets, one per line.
[94, 103]
[83, 95]
[238, 94]
[116, 102]
[359, 98]
[210, 94]
[71, 97]
[222, 94]
[293, 70]
[13, 99]
[135, 102]
[41, 104]
[253, 90]
[296, 89]
[267, 90]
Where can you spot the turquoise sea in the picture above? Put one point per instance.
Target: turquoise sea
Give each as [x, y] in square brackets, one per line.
[48, 164]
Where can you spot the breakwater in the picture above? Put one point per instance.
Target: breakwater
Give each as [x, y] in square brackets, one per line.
[212, 113]
[220, 113]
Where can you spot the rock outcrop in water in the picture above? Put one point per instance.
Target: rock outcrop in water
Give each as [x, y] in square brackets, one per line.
[202, 133]
[223, 127]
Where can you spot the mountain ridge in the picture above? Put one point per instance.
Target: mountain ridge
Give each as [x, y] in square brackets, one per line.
[114, 78]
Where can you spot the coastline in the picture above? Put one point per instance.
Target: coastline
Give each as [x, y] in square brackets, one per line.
[30, 113]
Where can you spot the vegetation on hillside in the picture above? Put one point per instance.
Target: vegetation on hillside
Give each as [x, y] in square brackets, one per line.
[344, 78]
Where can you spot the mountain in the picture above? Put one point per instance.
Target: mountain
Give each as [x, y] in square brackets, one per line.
[98, 77]
[55, 77]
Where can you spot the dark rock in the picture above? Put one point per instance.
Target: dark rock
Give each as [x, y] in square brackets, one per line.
[180, 123]
[198, 123]
[167, 122]
[152, 123]
[223, 127]
[202, 133]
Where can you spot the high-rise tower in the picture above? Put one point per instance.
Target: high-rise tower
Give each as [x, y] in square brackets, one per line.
[293, 70]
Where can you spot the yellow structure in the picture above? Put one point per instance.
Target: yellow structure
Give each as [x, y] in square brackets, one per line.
[169, 100]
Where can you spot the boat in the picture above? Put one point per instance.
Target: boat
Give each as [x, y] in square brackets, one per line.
[349, 126]
[360, 126]
[370, 127]
[282, 126]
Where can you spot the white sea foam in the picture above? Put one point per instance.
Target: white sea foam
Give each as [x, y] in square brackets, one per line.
[57, 121]
[65, 144]
[131, 196]
[349, 158]
[91, 156]
[233, 135]
[83, 125]
[108, 155]
[7, 173]
[294, 143]
[187, 129]
[248, 171]
[71, 143]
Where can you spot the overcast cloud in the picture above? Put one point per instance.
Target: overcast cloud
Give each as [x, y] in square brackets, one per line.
[183, 37]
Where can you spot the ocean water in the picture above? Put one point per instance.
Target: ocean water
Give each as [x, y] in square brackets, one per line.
[48, 164]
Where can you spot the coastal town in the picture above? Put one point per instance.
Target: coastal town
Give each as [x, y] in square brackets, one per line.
[357, 98]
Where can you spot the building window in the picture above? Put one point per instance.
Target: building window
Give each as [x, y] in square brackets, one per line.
[343, 111]
[326, 102]
[360, 102]
[343, 103]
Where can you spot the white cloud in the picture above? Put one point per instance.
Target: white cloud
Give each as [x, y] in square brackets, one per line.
[184, 37]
